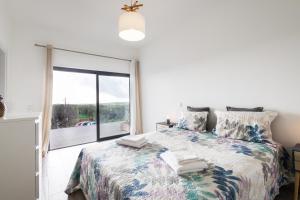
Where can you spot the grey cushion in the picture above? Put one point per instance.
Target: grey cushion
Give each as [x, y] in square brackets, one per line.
[198, 109]
[257, 109]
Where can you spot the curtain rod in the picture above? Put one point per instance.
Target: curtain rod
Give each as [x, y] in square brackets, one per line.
[86, 53]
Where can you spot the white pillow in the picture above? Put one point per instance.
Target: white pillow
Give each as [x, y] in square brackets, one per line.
[249, 126]
[195, 121]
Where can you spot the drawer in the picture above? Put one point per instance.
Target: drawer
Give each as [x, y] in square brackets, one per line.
[297, 165]
[37, 136]
[37, 159]
[37, 186]
[297, 155]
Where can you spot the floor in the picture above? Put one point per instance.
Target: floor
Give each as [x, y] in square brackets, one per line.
[64, 137]
[58, 167]
[57, 170]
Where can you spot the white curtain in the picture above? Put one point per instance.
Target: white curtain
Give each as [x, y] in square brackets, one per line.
[47, 104]
[135, 100]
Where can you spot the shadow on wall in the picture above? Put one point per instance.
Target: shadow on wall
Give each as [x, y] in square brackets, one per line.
[285, 128]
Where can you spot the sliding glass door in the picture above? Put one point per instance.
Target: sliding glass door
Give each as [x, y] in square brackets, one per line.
[88, 106]
[73, 109]
[113, 105]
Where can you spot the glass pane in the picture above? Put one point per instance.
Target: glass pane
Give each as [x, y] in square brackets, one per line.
[73, 110]
[114, 105]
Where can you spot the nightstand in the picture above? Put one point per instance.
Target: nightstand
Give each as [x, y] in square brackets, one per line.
[296, 161]
[160, 126]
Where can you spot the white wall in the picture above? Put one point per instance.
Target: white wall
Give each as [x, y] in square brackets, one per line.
[2, 73]
[5, 31]
[26, 70]
[83, 61]
[4, 27]
[237, 53]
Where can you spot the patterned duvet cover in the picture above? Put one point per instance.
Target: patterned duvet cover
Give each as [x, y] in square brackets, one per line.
[237, 169]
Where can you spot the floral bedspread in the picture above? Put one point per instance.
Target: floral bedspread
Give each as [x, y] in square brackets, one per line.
[237, 169]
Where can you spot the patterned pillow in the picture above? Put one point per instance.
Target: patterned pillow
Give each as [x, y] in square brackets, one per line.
[195, 121]
[249, 126]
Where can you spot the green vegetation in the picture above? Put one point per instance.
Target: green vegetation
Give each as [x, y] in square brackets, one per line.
[69, 115]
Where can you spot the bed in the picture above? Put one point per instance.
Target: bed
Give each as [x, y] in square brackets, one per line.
[237, 169]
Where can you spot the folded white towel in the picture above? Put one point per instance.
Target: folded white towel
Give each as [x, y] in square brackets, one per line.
[184, 157]
[120, 142]
[171, 160]
[133, 141]
[134, 138]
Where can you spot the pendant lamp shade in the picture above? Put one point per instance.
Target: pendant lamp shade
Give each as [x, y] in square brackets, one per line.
[132, 26]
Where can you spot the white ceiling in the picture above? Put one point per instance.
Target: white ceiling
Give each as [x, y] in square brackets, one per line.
[98, 19]
[88, 18]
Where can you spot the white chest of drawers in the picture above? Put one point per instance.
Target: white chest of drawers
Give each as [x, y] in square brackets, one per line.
[20, 157]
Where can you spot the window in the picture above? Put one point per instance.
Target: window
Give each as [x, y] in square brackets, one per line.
[88, 106]
[113, 105]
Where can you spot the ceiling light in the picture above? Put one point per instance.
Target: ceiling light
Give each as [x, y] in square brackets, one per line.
[132, 23]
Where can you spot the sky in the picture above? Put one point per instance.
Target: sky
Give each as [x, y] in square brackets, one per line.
[79, 88]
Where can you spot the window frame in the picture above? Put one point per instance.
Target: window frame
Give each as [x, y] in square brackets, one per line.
[97, 74]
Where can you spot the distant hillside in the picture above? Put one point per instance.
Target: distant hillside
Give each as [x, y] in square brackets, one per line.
[69, 115]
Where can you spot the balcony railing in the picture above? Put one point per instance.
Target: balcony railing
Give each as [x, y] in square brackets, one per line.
[64, 137]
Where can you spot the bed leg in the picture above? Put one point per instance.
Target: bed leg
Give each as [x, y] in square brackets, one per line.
[297, 177]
